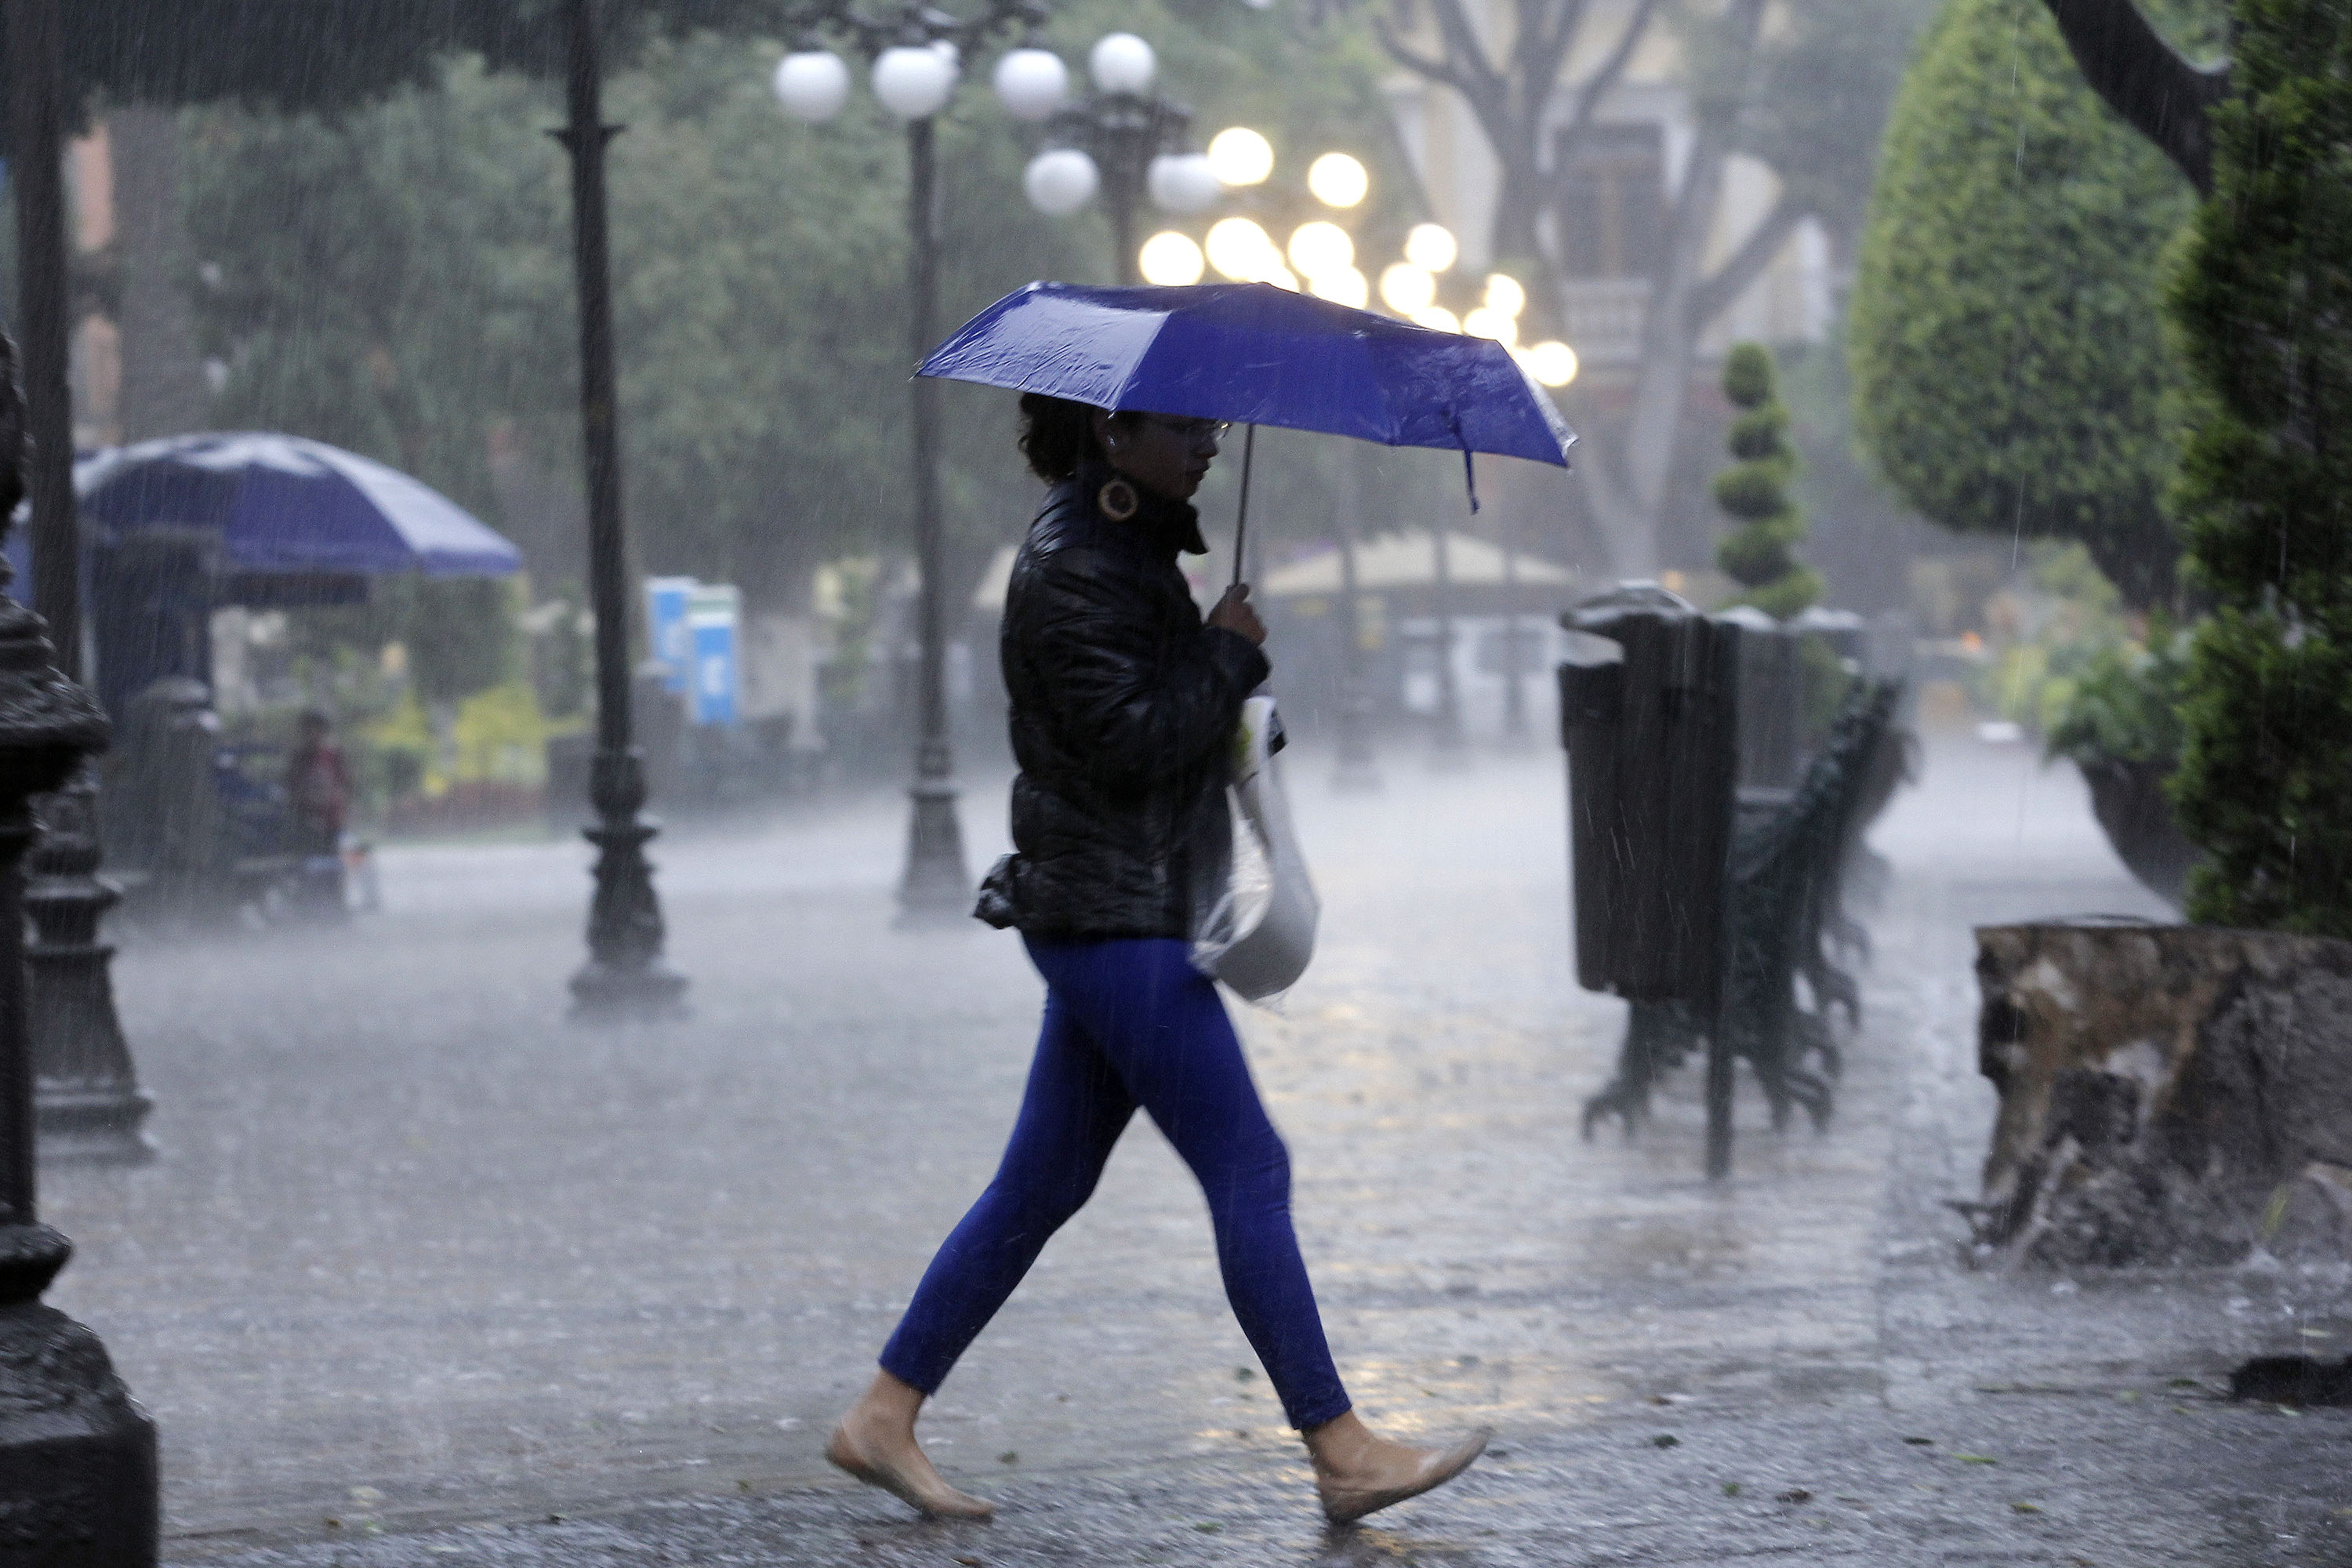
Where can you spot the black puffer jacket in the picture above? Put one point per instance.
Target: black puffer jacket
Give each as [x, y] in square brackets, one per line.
[1123, 704]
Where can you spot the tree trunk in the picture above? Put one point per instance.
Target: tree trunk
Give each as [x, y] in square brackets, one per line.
[2143, 78]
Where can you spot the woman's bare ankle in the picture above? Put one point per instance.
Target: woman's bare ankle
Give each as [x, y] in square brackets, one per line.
[886, 1411]
[1341, 1444]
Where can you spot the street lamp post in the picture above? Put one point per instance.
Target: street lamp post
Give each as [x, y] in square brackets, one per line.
[915, 53]
[1129, 141]
[625, 974]
[90, 1105]
[77, 1479]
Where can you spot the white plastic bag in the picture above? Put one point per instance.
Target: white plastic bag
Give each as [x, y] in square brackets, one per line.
[1259, 934]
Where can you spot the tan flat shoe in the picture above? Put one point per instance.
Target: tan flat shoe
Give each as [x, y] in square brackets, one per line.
[917, 1485]
[1344, 1502]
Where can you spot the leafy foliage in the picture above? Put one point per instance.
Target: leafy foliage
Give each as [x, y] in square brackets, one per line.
[2265, 492]
[1760, 555]
[2123, 703]
[2008, 354]
[396, 278]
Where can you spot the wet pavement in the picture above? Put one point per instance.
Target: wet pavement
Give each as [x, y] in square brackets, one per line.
[421, 1265]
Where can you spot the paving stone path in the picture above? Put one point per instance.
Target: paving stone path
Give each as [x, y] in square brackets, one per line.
[425, 1275]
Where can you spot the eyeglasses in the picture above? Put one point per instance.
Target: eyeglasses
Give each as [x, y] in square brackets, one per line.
[1193, 430]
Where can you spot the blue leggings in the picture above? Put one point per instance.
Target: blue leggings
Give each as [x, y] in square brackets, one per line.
[1132, 1023]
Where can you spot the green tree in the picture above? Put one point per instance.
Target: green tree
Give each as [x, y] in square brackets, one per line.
[2008, 352]
[2266, 490]
[396, 278]
[1761, 555]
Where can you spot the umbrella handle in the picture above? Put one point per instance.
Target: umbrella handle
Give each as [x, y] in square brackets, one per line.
[1241, 526]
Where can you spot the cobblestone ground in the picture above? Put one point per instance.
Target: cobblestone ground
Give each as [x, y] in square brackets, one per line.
[421, 1266]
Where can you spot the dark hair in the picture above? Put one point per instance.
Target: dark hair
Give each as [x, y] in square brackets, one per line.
[1058, 434]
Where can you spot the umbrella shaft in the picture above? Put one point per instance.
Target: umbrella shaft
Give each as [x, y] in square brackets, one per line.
[1241, 527]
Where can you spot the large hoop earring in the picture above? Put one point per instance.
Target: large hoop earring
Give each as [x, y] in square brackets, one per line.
[1118, 500]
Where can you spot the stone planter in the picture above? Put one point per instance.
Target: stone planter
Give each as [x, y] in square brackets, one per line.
[2168, 1094]
[2127, 797]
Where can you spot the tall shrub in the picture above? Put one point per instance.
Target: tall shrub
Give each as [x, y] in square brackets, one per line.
[2005, 337]
[2263, 304]
[1759, 554]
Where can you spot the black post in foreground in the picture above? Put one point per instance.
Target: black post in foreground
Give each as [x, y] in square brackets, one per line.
[1651, 732]
[77, 1456]
[91, 1106]
[626, 975]
[935, 888]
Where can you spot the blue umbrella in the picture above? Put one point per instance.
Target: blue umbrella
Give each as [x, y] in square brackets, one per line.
[284, 505]
[1255, 354]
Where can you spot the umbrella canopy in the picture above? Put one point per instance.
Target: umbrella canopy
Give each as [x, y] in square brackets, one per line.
[284, 505]
[1257, 354]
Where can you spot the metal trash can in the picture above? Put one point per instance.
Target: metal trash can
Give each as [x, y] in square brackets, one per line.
[1770, 698]
[1651, 735]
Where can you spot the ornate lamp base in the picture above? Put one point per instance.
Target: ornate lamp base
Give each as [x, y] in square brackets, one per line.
[87, 1095]
[936, 893]
[626, 976]
[76, 1455]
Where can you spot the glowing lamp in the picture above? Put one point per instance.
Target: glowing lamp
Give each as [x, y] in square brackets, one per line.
[1431, 248]
[1483, 322]
[1552, 363]
[1337, 180]
[1171, 259]
[1240, 156]
[1241, 250]
[1343, 286]
[1406, 288]
[1318, 247]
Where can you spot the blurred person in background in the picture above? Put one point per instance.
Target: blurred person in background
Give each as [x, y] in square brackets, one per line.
[318, 800]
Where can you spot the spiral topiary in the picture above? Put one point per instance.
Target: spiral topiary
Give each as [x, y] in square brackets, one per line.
[1755, 489]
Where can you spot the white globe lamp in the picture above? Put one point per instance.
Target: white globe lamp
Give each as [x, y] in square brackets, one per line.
[812, 84]
[1431, 248]
[1505, 296]
[1437, 319]
[1171, 261]
[1121, 62]
[912, 81]
[1183, 182]
[1059, 182]
[1241, 157]
[1032, 83]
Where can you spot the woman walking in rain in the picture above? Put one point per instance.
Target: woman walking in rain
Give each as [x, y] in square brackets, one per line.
[1124, 704]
